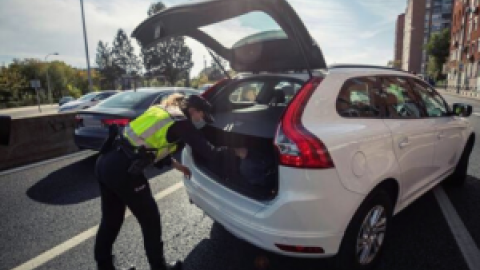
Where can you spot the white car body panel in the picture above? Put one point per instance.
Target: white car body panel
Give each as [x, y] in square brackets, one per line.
[314, 207]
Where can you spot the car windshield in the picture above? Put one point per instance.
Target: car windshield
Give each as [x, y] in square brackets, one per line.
[88, 96]
[127, 100]
[245, 27]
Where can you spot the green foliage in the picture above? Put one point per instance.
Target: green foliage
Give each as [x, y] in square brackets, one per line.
[438, 49]
[11, 83]
[171, 58]
[64, 80]
[109, 72]
[395, 64]
[73, 91]
[123, 54]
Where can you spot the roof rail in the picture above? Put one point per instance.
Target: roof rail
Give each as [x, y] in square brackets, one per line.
[364, 66]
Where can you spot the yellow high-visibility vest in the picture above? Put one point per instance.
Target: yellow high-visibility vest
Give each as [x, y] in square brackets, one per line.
[150, 130]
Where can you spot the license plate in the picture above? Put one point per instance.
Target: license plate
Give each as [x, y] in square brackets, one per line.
[92, 123]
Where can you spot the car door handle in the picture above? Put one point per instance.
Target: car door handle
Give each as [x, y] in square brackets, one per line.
[404, 143]
[440, 135]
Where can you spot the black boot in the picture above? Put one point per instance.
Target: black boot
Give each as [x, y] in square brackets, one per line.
[109, 265]
[169, 266]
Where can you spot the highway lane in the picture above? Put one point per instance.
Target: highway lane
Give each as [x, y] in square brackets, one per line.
[44, 206]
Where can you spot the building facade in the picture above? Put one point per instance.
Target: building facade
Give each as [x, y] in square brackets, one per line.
[422, 19]
[399, 31]
[463, 66]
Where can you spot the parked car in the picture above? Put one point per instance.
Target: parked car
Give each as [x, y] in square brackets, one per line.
[64, 100]
[86, 101]
[92, 124]
[353, 145]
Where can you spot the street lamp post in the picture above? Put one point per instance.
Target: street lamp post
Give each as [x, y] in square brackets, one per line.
[48, 78]
[86, 48]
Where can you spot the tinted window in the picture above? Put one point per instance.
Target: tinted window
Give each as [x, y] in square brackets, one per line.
[246, 91]
[435, 105]
[400, 100]
[127, 100]
[285, 91]
[88, 96]
[359, 97]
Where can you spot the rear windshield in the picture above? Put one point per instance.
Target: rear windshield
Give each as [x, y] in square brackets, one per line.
[250, 27]
[128, 100]
[88, 96]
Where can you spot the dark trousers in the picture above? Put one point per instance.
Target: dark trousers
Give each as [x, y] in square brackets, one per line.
[120, 190]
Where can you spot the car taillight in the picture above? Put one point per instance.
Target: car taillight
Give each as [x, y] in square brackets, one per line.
[78, 120]
[298, 147]
[119, 122]
[213, 88]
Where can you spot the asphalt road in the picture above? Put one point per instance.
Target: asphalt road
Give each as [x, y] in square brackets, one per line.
[45, 206]
[30, 111]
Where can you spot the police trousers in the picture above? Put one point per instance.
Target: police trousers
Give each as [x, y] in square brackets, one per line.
[119, 190]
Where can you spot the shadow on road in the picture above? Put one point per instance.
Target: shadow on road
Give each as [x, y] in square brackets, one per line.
[466, 201]
[71, 184]
[419, 239]
[74, 183]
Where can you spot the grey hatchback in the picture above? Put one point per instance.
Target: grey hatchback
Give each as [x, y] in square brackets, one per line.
[92, 124]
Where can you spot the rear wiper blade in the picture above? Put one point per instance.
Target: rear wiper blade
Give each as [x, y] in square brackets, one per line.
[218, 63]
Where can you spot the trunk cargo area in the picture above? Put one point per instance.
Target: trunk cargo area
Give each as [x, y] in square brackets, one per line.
[229, 175]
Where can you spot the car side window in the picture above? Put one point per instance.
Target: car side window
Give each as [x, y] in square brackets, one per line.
[284, 91]
[246, 92]
[400, 100]
[359, 97]
[434, 104]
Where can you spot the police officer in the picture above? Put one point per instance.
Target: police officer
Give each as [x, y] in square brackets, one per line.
[152, 138]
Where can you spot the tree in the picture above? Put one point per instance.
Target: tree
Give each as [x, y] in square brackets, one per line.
[123, 54]
[109, 72]
[11, 83]
[216, 73]
[395, 64]
[438, 49]
[171, 58]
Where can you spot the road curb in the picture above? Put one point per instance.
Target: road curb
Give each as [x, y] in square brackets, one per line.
[463, 94]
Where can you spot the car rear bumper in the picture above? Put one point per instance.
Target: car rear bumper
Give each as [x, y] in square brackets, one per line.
[312, 209]
[90, 138]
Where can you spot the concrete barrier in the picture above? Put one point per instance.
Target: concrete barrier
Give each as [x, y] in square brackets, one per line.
[37, 138]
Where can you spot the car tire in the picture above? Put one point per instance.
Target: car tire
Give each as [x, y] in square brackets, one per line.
[459, 175]
[349, 255]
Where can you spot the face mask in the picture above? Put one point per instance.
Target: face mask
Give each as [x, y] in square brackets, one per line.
[199, 124]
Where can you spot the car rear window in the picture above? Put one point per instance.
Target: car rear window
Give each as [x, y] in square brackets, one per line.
[128, 100]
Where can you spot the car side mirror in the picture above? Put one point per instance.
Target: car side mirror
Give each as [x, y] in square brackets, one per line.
[461, 109]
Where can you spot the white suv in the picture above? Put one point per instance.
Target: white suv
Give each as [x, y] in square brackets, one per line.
[352, 145]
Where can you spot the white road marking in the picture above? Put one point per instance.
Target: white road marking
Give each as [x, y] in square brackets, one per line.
[467, 246]
[82, 237]
[48, 161]
[477, 114]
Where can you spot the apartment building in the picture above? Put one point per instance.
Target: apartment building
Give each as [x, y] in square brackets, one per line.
[463, 66]
[399, 31]
[422, 19]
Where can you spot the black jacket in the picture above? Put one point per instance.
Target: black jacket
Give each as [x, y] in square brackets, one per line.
[184, 132]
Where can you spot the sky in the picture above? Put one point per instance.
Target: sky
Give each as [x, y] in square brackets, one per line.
[348, 31]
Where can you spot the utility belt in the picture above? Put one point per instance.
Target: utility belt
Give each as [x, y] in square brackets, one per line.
[141, 157]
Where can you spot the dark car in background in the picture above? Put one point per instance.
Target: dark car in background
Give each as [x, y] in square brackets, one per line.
[92, 124]
[65, 99]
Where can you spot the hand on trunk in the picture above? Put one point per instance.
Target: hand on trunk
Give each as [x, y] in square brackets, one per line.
[184, 169]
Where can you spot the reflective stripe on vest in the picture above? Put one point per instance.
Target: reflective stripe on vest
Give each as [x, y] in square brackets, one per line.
[150, 130]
